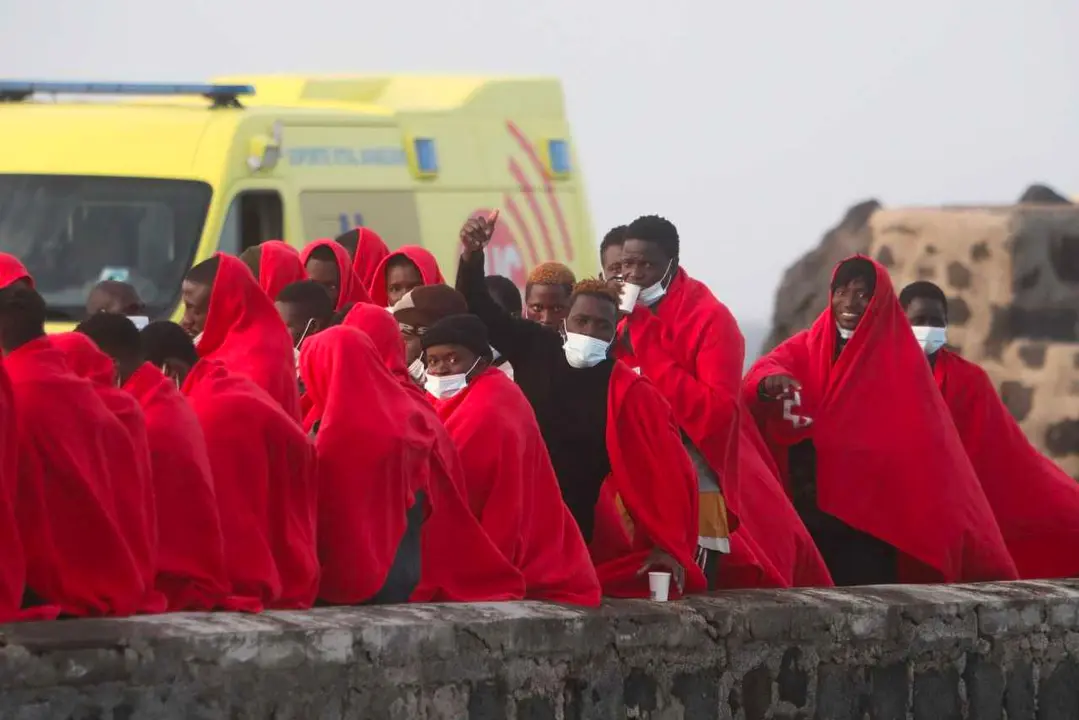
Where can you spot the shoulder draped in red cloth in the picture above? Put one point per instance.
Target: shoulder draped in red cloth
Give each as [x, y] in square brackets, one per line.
[423, 260]
[690, 347]
[1036, 504]
[656, 482]
[265, 482]
[191, 551]
[351, 287]
[513, 491]
[13, 568]
[76, 554]
[460, 563]
[244, 331]
[370, 252]
[889, 461]
[132, 475]
[279, 265]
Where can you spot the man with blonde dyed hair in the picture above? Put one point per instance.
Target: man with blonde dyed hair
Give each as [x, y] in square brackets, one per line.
[604, 426]
[547, 294]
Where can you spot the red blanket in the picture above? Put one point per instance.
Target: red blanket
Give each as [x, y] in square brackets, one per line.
[1035, 502]
[460, 563]
[370, 252]
[513, 491]
[693, 351]
[134, 495]
[244, 331]
[655, 481]
[13, 569]
[190, 551]
[351, 288]
[423, 260]
[889, 461]
[771, 528]
[76, 554]
[265, 481]
[279, 265]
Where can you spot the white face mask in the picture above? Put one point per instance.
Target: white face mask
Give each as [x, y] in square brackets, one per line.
[444, 387]
[584, 351]
[197, 338]
[139, 321]
[389, 309]
[930, 338]
[418, 371]
[495, 354]
[843, 332]
[651, 295]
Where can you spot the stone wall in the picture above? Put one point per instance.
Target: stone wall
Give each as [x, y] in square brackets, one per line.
[1011, 275]
[925, 653]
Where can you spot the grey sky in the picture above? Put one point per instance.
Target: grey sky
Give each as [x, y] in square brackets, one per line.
[751, 125]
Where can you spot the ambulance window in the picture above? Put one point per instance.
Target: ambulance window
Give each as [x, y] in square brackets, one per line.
[254, 217]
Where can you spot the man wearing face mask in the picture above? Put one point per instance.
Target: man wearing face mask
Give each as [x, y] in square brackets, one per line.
[509, 482]
[686, 342]
[306, 309]
[419, 309]
[1034, 501]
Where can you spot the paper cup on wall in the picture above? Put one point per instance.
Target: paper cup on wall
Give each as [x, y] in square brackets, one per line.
[659, 583]
[630, 292]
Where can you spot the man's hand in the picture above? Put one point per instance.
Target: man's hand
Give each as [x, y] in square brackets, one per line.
[658, 560]
[775, 387]
[477, 232]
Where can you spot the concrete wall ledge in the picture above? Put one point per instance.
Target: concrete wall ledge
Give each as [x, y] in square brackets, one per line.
[924, 652]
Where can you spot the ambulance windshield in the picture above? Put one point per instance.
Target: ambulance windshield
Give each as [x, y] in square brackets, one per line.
[71, 232]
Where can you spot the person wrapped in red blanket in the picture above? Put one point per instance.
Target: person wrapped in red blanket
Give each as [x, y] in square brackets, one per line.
[328, 263]
[687, 343]
[460, 563]
[235, 323]
[863, 438]
[264, 472]
[190, 548]
[367, 250]
[136, 508]
[403, 270]
[511, 485]
[274, 264]
[77, 557]
[1035, 502]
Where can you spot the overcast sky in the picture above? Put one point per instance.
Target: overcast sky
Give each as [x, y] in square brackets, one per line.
[752, 126]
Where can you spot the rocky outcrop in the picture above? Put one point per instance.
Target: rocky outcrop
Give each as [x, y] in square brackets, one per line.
[1011, 275]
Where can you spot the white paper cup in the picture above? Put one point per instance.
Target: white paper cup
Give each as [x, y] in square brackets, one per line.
[659, 583]
[630, 292]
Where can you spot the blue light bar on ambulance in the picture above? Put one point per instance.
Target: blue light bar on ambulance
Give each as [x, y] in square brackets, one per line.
[221, 95]
[558, 157]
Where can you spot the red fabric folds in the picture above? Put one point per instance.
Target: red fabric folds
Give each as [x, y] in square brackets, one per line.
[351, 288]
[772, 531]
[655, 480]
[692, 350]
[460, 562]
[279, 265]
[190, 552]
[889, 461]
[423, 260]
[371, 249]
[244, 331]
[12, 270]
[265, 483]
[13, 568]
[1036, 504]
[513, 491]
[132, 475]
[77, 557]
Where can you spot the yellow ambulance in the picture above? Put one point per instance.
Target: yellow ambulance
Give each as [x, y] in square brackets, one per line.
[138, 182]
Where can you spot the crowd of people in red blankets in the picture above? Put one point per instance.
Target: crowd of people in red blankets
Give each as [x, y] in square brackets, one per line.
[258, 456]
